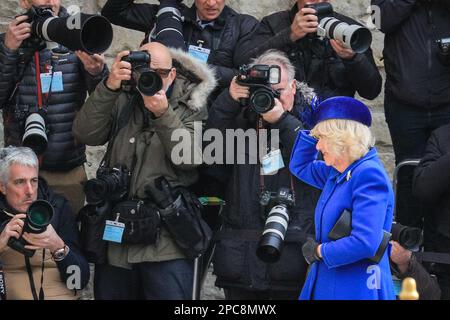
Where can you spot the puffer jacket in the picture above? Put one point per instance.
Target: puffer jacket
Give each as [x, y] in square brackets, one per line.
[63, 152]
[145, 144]
[229, 28]
[235, 261]
[314, 60]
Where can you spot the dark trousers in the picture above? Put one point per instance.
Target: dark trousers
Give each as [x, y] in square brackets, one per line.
[410, 128]
[167, 280]
[243, 294]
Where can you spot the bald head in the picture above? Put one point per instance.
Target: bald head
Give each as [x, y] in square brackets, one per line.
[160, 55]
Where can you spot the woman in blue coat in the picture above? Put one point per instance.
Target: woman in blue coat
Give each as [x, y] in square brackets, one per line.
[352, 178]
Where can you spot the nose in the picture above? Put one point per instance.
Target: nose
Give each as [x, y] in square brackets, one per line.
[29, 188]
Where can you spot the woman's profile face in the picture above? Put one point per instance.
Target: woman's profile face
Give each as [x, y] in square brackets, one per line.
[339, 162]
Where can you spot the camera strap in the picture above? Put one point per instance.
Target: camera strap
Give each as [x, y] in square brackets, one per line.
[31, 278]
[262, 186]
[2, 283]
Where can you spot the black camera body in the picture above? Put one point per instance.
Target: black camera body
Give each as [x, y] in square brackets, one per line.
[444, 51]
[111, 184]
[39, 216]
[353, 36]
[145, 80]
[259, 79]
[276, 224]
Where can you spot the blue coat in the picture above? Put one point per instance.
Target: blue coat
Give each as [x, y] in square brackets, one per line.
[365, 190]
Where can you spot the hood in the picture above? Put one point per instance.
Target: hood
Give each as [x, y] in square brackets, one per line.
[202, 76]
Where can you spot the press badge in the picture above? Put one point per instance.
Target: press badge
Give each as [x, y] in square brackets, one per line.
[272, 162]
[199, 53]
[54, 79]
[113, 231]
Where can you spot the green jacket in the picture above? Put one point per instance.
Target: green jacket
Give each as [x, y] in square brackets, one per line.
[144, 144]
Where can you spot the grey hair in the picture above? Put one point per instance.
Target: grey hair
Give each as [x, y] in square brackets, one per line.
[16, 155]
[277, 57]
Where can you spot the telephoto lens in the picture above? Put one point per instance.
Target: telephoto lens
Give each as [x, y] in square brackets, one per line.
[35, 136]
[270, 245]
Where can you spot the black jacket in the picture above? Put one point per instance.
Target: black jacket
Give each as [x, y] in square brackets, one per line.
[431, 182]
[63, 222]
[235, 260]
[315, 60]
[222, 38]
[427, 285]
[413, 73]
[63, 152]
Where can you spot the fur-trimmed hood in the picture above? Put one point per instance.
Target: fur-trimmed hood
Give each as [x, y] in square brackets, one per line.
[200, 74]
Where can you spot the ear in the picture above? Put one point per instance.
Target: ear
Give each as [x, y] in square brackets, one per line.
[294, 86]
[3, 188]
[25, 4]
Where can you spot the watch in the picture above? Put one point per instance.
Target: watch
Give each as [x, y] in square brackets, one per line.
[61, 253]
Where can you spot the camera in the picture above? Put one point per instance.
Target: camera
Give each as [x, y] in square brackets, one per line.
[444, 51]
[408, 237]
[110, 184]
[87, 32]
[353, 36]
[38, 217]
[35, 136]
[276, 224]
[259, 79]
[147, 81]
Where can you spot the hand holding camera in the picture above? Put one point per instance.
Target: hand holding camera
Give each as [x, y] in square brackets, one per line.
[305, 22]
[237, 91]
[93, 64]
[18, 30]
[48, 239]
[13, 229]
[120, 71]
[275, 114]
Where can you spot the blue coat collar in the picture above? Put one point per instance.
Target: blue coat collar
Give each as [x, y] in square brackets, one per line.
[339, 177]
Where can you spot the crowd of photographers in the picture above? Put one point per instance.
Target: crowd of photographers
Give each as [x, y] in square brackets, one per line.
[143, 219]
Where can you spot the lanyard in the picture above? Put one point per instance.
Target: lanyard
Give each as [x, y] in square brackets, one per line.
[39, 83]
[261, 176]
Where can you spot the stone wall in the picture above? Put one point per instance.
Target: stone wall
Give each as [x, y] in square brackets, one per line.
[127, 39]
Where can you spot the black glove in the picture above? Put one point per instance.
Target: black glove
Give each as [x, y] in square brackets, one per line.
[309, 251]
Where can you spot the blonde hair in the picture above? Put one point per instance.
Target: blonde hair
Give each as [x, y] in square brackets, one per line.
[345, 136]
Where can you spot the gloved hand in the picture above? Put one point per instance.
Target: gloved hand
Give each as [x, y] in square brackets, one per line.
[309, 250]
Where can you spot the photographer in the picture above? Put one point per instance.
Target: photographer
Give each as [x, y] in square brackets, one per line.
[417, 97]
[55, 249]
[325, 65]
[239, 270]
[431, 185]
[25, 90]
[211, 29]
[139, 129]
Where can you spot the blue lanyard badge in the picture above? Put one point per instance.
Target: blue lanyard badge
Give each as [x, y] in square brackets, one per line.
[113, 231]
[272, 162]
[51, 79]
[199, 53]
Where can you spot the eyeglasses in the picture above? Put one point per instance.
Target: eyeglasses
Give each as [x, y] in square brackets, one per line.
[163, 73]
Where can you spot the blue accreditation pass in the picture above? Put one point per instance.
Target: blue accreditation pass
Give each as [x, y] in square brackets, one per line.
[272, 162]
[113, 231]
[199, 53]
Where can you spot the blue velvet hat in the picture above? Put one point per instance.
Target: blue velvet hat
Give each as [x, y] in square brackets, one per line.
[343, 108]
